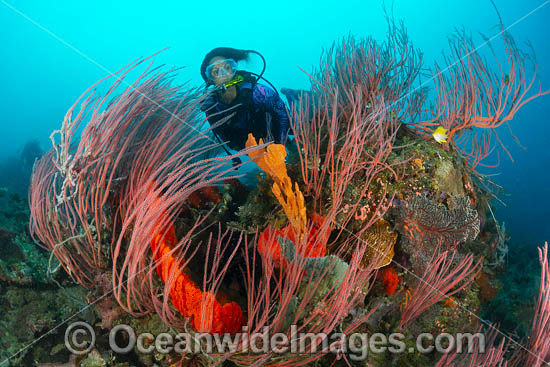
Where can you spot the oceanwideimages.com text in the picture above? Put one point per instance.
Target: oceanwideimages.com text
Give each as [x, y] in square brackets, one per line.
[80, 339]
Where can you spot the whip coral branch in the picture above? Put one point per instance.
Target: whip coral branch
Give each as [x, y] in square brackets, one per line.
[537, 351]
[356, 146]
[440, 279]
[344, 131]
[112, 199]
[539, 340]
[346, 128]
[92, 199]
[312, 293]
[482, 352]
[386, 70]
[470, 95]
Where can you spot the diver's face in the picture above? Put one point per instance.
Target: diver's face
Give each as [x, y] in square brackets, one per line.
[220, 70]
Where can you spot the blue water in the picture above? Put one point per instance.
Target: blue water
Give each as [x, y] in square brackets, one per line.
[53, 51]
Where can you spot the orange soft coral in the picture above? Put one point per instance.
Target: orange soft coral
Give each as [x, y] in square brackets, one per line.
[272, 161]
[204, 311]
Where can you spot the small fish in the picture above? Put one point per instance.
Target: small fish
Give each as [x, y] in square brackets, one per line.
[441, 134]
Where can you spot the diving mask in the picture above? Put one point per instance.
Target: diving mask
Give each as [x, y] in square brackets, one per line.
[222, 69]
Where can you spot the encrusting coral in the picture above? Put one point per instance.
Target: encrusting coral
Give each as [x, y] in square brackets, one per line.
[381, 240]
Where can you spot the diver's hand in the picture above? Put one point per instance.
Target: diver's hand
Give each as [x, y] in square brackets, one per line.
[236, 162]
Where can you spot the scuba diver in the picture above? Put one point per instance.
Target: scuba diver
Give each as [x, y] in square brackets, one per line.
[248, 106]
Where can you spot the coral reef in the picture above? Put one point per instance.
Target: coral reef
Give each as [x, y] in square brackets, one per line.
[362, 223]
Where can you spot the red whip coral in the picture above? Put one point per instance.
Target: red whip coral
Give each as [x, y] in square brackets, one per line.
[473, 94]
[92, 200]
[442, 278]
